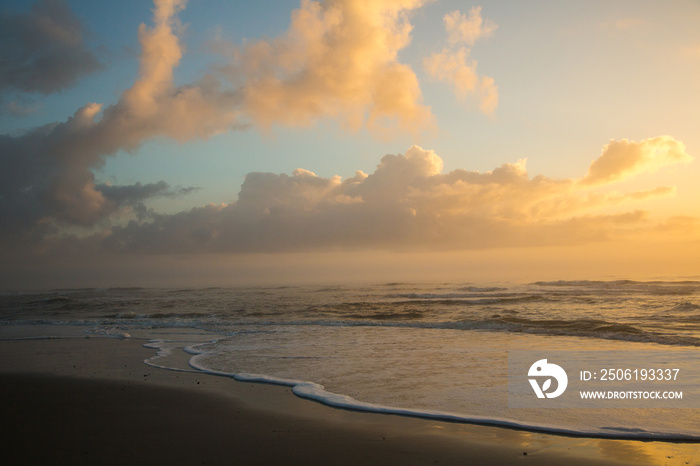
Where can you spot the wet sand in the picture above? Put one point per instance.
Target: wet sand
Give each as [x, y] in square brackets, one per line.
[93, 400]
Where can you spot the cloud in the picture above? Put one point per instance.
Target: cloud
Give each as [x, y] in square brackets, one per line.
[48, 176]
[407, 203]
[19, 110]
[453, 65]
[467, 29]
[338, 59]
[335, 60]
[42, 50]
[622, 159]
[136, 193]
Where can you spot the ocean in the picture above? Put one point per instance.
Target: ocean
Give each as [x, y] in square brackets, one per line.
[452, 351]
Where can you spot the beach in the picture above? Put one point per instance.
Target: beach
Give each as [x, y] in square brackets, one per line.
[93, 400]
[320, 234]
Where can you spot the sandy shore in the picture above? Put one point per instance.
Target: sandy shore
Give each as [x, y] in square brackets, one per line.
[92, 400]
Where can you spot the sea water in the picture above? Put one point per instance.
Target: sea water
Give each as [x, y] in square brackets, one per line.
[431, 350]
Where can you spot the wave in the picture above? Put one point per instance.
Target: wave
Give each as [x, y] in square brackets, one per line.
[131, 315]
[576, 325]
[408, 315]
[658, 287]
[585, 328]
[682, 313]
[317, 392]
[54, 300]
[506, 322]
[485, 289]
[434, 296]
[583, 283]
[615, 282]
[686, 306]
[188, 290]
[74, 290]
[456, 299]
[56, 305]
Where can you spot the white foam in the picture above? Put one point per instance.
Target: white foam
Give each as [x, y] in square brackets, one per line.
[318, 393]
[162, 352]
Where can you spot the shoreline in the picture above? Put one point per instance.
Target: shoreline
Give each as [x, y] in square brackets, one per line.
[103, 383]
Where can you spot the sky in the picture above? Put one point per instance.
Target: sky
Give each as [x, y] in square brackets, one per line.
[205, 142]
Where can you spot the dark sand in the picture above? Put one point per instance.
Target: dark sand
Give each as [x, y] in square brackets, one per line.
[93, 401]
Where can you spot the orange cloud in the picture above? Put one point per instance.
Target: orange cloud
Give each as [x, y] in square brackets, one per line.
[467, 29]
[407, 203]
[453, 65]
[622, 159]
[337, 59]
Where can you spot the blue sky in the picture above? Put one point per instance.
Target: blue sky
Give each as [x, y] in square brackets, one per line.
[570, 78]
